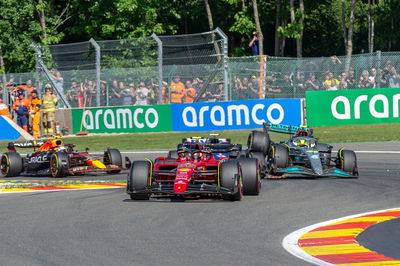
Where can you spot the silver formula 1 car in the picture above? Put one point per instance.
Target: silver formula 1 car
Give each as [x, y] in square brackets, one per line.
[302, 154]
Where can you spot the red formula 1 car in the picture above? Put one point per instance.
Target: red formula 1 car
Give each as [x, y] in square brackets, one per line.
[54, 158]
[194, 173]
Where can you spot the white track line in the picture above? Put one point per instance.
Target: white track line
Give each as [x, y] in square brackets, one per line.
[290, 242]
[55, 190]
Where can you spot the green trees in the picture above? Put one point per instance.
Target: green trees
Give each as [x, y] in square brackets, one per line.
[289, 27]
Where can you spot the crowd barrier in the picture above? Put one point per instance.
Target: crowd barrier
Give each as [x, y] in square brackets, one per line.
[352, 107]
[211, 116]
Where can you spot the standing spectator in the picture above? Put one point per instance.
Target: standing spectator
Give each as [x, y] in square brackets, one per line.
[343, 81]
[21, 107]
[141, 94]
[127, 95]
[300, 84]
[29, 88]
[72, 93]
[151, 96]
[351, 80]
[58, 81]
[312, 84]
[219, 92]
[177, 90]
[253, 92]
[104, 97]
[81, 96]
[49, 103]
[115, 97]
[372, 77]
[394, 78]
[90, 93]
[190, 92]
[4, 109]
[34, 112]
[330, 83]
[254, 44]
[364, 81]
[165, 96]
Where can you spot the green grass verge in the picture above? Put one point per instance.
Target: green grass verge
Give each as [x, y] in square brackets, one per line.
[360, 133]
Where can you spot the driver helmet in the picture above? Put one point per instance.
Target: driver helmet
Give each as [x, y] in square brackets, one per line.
[302, 143]
[302, 133]
[196, 156]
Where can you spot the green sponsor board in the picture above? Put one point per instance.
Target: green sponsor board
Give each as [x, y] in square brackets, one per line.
[353, 107]
[126, 119]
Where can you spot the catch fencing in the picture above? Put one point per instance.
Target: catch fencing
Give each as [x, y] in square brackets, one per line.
[110, 73]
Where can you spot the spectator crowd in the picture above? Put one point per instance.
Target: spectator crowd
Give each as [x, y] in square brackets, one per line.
[34, 111]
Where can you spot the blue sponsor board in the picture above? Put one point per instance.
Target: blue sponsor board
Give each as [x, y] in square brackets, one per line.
[245, 114]
[7, 132]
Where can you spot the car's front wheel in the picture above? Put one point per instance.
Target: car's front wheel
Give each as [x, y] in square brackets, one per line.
[138, 179]
[59, 164]
[230, 178]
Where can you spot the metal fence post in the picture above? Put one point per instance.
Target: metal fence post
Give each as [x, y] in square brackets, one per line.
[97, 48]
[225, 60]
[160, 66]
[378, 84]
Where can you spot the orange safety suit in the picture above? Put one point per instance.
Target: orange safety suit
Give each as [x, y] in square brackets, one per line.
[177, 92]
[34, 112]
[4, 110]
[190, 95]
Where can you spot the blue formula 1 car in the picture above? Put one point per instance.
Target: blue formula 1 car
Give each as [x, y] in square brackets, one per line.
[302, 154]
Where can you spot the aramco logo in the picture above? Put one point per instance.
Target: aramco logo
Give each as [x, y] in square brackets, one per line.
[232, 115]
[378, 106]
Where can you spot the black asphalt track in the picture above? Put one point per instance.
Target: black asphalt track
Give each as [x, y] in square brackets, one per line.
[104, 227]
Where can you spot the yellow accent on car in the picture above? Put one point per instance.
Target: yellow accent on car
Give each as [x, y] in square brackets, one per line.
[98, 164]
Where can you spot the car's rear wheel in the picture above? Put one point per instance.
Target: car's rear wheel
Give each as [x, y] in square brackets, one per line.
[59, 164]
[347, 161]
[261, 159]
[259, 141]
[11, 164]
[172, 155]
[138, 179]
[230, 178]
[279, 158]
[113, 157]
[250, 176]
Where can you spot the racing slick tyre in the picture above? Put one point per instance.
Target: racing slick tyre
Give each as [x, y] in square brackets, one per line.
[261, 159]
[229, 175]
[11, 164]
[250, 176]
[59, 164]
[347, 161]
[259, 142]
[173, 154]
[279, 158]
[113, 157]
[139, 179]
